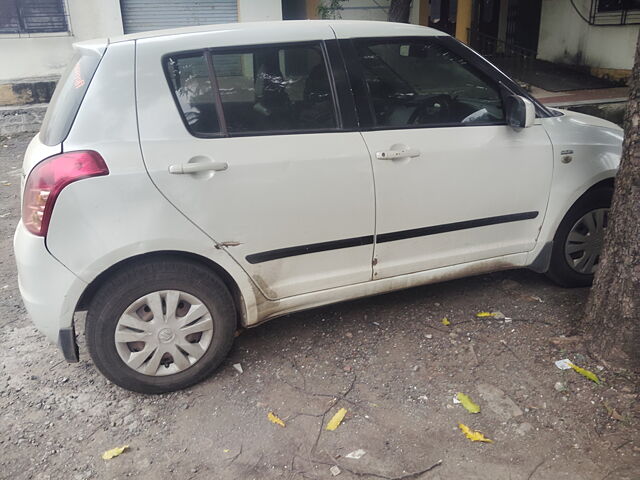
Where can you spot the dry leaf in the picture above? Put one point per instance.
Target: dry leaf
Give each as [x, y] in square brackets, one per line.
[336, 419]
[114, 452]
[467, 403]
[473, 435]
[484, 314]
[275, 419]
[586, 373]
[445, 321]
[613, 413]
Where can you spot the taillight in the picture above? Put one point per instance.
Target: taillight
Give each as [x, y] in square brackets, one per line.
[48, 178]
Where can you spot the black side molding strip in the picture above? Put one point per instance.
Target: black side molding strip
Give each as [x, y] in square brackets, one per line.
[386, 237]
[311, 248]
[453, 227]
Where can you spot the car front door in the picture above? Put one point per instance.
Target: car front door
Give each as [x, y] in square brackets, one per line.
[454, 183]
[247, 142]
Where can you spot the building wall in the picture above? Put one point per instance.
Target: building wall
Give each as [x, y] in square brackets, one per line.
[259, 10]
[566, 38]
[46, 55]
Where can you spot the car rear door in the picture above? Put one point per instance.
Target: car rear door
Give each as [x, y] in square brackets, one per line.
[454, 183]
[240, 129]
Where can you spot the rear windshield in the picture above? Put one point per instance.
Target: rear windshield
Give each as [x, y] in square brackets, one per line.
[67, 98]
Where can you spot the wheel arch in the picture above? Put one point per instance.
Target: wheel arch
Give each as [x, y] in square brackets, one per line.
[604, 183]
[219, 271]
[608, 182]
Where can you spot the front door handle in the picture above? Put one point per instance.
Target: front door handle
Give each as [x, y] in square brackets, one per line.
[396, 154]
[197, 167]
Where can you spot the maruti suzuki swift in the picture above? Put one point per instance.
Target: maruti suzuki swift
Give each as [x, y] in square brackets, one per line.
[186, 183]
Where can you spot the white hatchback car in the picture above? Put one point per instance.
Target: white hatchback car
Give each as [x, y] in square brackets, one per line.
[189, 182]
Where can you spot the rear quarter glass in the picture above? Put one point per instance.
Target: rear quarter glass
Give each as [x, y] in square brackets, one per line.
[67, 97]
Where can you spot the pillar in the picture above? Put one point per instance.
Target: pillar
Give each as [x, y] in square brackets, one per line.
[463, 20]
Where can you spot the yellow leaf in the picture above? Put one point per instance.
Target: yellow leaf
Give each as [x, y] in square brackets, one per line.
[114, 452]
[484, 314]
[336, 419]
[473, 435]
[468, 403]
[226, 450]
[586, 373]
[445, 321]
[275, 419]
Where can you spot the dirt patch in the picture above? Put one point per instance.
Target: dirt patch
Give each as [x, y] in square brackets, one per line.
[388, 360]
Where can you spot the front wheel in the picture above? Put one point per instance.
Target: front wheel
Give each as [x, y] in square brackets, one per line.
[579, 240]
[160, 325]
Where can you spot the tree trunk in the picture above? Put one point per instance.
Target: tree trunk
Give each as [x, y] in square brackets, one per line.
[612, 318]
[399, 11]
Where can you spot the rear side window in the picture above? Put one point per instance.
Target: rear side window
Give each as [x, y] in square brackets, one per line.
[67, 98]
[258, 89]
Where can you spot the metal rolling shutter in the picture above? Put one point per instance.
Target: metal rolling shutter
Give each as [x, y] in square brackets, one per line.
[144, 15]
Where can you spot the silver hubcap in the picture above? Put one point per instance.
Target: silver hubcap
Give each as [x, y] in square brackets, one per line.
[163, 333]
[584, 242]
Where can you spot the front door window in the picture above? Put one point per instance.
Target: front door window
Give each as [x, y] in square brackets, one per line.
[419, 83]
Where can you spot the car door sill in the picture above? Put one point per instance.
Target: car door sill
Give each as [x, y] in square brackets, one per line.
[270, 309]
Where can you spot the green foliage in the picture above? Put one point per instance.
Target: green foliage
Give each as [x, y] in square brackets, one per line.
[330, 9]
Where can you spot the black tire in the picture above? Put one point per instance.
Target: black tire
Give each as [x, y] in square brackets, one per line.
[133, 282]
[559, 269]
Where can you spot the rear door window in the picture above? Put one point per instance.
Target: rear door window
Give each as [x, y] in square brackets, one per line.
[276, 88]
[67, 98]
[254, 90]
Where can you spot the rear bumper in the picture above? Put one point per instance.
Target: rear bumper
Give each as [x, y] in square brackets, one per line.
[50, 292]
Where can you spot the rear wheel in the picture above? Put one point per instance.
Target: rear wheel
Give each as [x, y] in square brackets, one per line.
[160, 326]
[578, 242]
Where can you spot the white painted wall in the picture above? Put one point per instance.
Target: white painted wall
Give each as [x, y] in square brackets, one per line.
[46, 55]
[566, 38]
[259, 10]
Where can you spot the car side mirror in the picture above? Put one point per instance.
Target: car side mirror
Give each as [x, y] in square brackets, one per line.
[521, 113]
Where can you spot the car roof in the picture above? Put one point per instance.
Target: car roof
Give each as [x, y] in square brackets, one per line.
[343, 29]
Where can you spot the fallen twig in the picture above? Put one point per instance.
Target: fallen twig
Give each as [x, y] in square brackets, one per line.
[536, 468]
[407, 476]
[233, 459]
[510, 349]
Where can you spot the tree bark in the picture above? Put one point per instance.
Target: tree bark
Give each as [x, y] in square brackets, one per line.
[399, 11]
[612, 319]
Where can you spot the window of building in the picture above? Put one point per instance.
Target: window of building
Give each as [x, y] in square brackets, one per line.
[616, 5]
[614, 12]
[32, 16]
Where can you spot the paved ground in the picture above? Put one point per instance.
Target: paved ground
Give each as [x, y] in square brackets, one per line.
[388, 360]
[581, 97]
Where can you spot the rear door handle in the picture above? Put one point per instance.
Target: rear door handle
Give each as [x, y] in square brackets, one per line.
[197, 167]
[396, 154]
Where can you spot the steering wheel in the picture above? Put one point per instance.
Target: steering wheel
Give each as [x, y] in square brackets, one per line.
[436, 107]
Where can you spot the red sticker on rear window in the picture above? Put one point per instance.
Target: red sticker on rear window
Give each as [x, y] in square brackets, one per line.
[78, 81]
